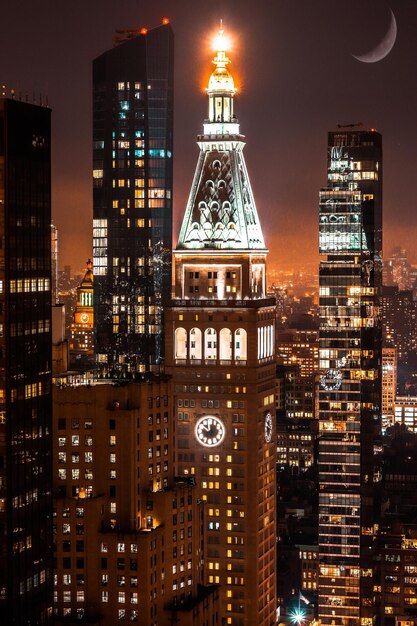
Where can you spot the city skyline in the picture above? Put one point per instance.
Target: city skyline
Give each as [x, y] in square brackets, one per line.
[288, 54]
[209, 445]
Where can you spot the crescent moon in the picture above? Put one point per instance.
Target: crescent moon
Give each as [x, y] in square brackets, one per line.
[384, 47]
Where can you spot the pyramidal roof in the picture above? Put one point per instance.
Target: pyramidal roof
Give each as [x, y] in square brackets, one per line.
[221, 212]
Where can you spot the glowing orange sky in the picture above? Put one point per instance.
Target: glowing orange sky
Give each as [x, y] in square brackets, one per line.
[297, 78]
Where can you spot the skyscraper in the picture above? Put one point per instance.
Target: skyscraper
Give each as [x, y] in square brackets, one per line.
[25, 364]
[127, 534]
[132, 200]
[350, 381]
[220, 352]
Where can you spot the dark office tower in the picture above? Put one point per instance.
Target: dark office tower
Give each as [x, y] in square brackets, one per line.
[25, 365]
[132, 179]
[220, 352]
[350, 375]
[399, 314]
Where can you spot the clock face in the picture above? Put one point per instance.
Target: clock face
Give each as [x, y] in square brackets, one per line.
[331, 380]
[84, 318]
[209, 431]
[268, 428]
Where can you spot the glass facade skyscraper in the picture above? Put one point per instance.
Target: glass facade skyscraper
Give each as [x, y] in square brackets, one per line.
[132, 199]
[350, 280]
[25, 364]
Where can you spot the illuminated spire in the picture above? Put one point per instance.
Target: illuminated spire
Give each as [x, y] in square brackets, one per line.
[221, 212]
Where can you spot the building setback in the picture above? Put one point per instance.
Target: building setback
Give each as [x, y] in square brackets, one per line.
[132, 199]
[350, 375]
[220, 353]
[25, 362]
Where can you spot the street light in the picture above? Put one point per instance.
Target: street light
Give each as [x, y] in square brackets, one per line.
[297, 616]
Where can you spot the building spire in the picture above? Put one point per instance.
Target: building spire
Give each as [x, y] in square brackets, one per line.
[221, 212]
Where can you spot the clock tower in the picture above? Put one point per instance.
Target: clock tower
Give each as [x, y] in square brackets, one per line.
[220, 353]
[82, 327]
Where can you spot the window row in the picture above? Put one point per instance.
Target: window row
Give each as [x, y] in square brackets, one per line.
[266, 340]
[212, 345]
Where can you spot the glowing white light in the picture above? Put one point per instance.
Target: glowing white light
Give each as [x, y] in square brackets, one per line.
[221, 43]
[297, 616]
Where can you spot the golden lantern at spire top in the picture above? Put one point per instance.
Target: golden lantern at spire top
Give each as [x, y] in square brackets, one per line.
[221, 79]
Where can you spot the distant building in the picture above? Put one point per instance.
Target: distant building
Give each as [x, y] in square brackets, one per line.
[309, 565]
[26, 362]
[300, 393]
[132, 199]
[60, 346]
[64, 278]
[397, 269]
[389, 385]
[399, 321]
[396, 556]
[395, 543]
[54, 264]
[299, 346]
[297, 443]
[405, 412]
[82, 328]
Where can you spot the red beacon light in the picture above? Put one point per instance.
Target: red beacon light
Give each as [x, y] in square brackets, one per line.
[165, 21]
[143, 31]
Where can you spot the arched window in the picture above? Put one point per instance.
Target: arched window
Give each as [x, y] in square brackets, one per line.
[225, 344]
[195, 343]
[210, 343]
[259, 343]
[271, 341]
[180, 343]
[241, 345]
[267, 341]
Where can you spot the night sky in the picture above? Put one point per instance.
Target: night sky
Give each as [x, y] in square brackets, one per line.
[297, 79]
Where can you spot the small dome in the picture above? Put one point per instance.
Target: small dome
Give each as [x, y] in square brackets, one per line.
[221, 80]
